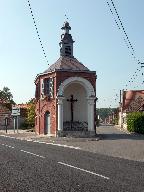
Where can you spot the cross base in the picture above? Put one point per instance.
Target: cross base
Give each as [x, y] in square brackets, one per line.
[77, 134]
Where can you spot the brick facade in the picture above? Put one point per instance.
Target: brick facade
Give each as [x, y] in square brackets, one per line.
[50, 104]
[49, 87]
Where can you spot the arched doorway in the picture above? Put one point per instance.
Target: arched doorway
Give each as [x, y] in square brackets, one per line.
[75, 110]
[47, 123]
[86, 105]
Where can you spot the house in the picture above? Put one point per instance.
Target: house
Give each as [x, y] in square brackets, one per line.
[5, 115]
[132, 101]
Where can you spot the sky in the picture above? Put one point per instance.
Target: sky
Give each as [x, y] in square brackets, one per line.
[99, 44]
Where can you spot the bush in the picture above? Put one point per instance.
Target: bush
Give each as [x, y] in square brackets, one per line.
[135, 122]
[24, 125]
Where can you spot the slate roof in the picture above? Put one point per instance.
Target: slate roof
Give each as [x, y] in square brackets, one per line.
[68, 64]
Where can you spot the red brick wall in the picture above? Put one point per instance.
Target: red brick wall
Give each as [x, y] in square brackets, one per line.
[46, 105]
[62, 75]
[4, 112]
[51, 105]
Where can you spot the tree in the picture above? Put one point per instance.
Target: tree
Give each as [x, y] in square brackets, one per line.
[6, 95]
[31, 113]
[105, 112]
[6, 98]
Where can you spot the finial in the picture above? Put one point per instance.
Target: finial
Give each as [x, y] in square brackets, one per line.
[66, 27]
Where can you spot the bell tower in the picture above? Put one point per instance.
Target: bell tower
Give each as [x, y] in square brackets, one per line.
[66, 44]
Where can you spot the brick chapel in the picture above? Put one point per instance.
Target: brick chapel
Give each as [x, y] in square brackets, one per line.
[66, 94]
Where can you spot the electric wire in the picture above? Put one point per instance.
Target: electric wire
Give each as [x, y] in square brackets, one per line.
[37, 32]
[126, 38]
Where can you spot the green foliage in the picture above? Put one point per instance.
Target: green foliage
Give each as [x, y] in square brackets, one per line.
[135, 122]
[31, 113]
[6, 95]
[104, 112]
[24, 125]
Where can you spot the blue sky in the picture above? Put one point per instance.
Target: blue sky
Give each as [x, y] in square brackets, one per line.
[99, 43]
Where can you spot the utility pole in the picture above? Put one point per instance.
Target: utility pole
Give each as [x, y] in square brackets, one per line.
[120, 115]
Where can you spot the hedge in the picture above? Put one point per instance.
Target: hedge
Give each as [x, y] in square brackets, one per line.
[135, 122]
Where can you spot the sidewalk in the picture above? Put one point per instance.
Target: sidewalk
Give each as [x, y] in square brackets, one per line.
[113, 142]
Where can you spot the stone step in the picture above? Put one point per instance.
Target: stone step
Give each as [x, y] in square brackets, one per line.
[75, 126]
[77, 134]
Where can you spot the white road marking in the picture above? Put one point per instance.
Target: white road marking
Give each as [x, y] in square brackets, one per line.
[38, 141]
[62, 145]
[3, 136]
[23, 151]
[32, 154]
[84, 170]
[11, 137]
[7, 136]
[28, 140]
[7, 146]
[57, 144]
[43, 142]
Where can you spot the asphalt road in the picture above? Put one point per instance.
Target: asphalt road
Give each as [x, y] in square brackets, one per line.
[36, 167]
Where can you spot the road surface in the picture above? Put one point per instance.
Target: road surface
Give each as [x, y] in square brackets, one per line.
[40, 167]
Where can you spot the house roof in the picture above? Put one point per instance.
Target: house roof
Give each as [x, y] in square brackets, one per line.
[22, 106]
[133, 100]
[67, 63]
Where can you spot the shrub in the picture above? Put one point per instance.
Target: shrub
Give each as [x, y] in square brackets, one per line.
[24, 125]
[135, 122]
[31, 114]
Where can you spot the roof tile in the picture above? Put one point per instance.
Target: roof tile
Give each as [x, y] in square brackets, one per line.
[67, 63]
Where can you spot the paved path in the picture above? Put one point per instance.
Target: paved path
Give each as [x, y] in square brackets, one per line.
[113, 142]
[28, 166]
[118, 143]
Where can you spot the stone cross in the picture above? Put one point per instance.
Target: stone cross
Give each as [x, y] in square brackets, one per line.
[72, 100]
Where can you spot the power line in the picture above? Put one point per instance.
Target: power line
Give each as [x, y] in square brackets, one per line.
[120, 26]
[37, 32]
